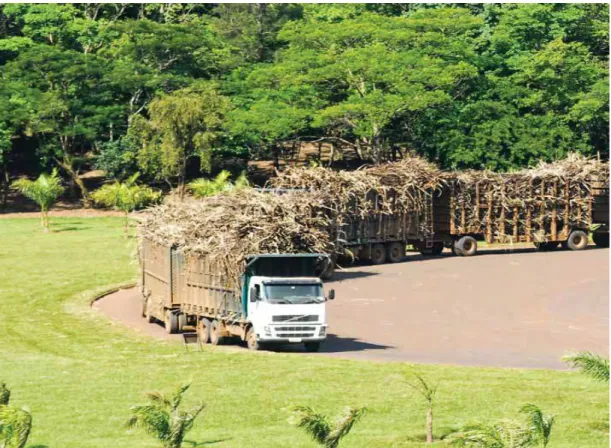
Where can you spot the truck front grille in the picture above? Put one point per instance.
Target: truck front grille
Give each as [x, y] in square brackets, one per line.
[295, 318]
[295, 332]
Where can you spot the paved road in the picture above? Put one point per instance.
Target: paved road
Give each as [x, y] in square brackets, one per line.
[519, 309]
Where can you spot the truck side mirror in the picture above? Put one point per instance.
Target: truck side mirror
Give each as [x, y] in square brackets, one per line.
[254, 294]
[331, 295]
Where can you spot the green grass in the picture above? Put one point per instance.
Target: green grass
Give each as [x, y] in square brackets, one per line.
[79, 373]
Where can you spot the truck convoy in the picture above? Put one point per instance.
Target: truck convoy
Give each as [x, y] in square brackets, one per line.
[278, 298]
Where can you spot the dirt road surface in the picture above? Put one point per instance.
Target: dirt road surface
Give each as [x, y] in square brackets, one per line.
[520, 309]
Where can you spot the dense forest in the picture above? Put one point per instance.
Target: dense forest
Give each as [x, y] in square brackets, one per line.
[176, 91]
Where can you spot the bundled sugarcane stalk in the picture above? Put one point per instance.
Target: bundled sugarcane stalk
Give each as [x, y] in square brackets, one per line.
[230, 226]
[538, 204]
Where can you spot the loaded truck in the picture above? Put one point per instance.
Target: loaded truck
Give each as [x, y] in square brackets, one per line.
[275, 299]
[452, 218]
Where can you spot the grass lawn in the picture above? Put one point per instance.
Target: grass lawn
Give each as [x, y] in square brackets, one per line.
[79, 373]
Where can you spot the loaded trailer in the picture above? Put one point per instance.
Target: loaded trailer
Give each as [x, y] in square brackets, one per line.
[456, 216]
[277, 299]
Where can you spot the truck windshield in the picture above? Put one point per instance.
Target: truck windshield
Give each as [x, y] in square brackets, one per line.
[294, 294]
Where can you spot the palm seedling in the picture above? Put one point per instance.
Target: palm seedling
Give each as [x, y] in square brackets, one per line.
[591, 364]
[44, 191]
[202, 188]
[540, 424]
[326, 433]
[15, 424]
[428, 393]
[163, 418]
[126, 196]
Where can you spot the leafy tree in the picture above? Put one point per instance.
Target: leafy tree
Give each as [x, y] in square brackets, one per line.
[326, 433]
[126, 196]
[44, 191]
[182, 125]
[593, 365]
[164, 419]
[15, 427]
[117, 158]
[209, 187]
[428, 393]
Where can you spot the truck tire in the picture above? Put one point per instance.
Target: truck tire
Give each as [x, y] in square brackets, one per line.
[171, 322]
[215, 333]
[454, 248]
[203, 331]
[466, 246]
[182, 322]
[327, 274]
[601, 239]
[251, 340]
[378, 254]
[578, 240]
[147, 311]
[396, 252]
[437, 249]
[311, 347]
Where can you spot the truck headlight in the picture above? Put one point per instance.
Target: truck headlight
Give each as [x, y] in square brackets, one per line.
[323, 331]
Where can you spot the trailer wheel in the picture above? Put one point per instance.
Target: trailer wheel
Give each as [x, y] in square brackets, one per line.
[466, 246]
[396, 252]
[578, 240]
[378, 254]
[601, 239]
[327, 274]
[171, 322]
[311, 347]
[147, 311]
[203, 331]
[251, 340]
[455, 250]
[215, 333]
[437, 249]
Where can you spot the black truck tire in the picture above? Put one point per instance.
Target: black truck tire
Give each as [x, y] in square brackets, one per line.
[327, 274]
[454, 248]
[601, 239]
[215, 333]
[182, 322]
[251, 340]
[147, 311]
[578, 240]
[171, 322]
[311, 347]
[466, 246]
[396, 252]
[203, 331]
[378, 254]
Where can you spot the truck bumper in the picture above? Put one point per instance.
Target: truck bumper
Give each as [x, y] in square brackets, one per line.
[279, 340]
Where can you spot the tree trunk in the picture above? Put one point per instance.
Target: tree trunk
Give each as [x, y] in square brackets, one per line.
[66, 164]
[429, 425]
[5, 185]
[126, 224]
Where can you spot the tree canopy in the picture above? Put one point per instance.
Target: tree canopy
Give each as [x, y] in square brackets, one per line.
[469, 86]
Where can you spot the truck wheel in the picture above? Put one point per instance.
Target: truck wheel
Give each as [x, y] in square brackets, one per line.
[545, 247]
[215, 333]
[455, 250]
[578, 240]
[466, 246]
[171, 322]
[601, 239]
[251, 340]
[182, 321]
[311, 347]
[378, 254]
[396, 252]
[327, 274]
[203, 331]
[437, 249]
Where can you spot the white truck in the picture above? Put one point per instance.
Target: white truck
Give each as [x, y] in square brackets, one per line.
[278, 299]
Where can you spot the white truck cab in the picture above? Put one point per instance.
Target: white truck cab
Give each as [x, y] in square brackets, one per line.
[288, 310]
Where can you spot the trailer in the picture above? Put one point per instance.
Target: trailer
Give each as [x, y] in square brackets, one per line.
[278, 298]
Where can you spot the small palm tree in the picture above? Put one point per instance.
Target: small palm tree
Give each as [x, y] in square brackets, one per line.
[428, 393]
[326, 433]
[15, 427]
[202, 188]
[44, 191]
[593, 365]
[540, 424]
[164, 419]
[5, 394]
[126, 196]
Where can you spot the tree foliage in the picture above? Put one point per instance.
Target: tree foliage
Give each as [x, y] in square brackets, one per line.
[591, 364]
[467, 85]
[221, 182]
[164, 419]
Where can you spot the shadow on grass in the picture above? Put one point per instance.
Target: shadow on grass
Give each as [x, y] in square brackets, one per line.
[204, 443]
[60, 229]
